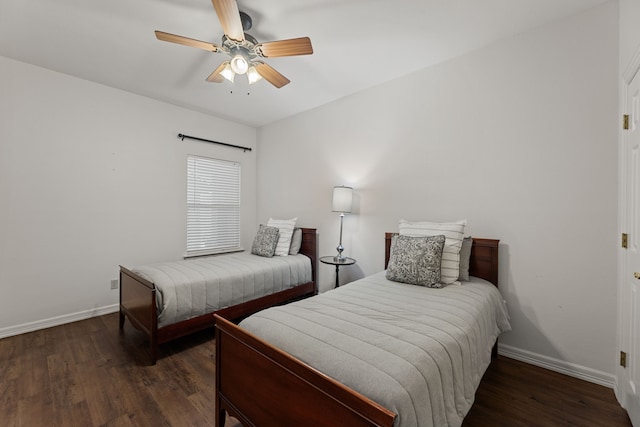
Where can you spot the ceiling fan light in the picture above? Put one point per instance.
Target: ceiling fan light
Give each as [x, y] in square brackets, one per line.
[252, 75]
[239, 64]
[228, 73]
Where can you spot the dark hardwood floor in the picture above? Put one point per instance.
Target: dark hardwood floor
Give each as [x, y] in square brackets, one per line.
[87, 374]
[516, 394]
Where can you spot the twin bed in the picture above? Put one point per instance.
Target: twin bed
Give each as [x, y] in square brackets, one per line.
[169, 300]
[372, 353]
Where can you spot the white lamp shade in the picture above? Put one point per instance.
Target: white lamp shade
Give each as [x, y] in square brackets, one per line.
[228, 73]
[253, 75]
[342, 197]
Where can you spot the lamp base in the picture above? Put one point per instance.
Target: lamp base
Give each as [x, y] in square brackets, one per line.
[340, 248]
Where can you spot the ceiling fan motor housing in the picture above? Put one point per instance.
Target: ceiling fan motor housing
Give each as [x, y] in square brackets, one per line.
[246, 20]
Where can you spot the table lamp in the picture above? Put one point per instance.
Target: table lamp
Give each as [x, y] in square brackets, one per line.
[342, 197]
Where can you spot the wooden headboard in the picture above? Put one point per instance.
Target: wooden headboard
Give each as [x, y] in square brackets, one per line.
[309, 247]
[484, 257]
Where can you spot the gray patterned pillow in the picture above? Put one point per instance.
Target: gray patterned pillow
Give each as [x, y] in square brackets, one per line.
[416, 260]
[265, 242]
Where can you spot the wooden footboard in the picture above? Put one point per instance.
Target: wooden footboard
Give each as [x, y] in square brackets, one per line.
[263, 386]
[138, 302]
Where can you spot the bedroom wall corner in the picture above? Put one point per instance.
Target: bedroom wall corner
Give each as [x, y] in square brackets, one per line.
[90, 178]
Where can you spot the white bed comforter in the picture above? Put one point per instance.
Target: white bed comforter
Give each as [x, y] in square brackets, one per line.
[420, 352]
[189, 288]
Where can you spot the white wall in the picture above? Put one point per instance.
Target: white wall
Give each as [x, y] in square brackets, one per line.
[629, 31]
[519, 138]
[90, 178]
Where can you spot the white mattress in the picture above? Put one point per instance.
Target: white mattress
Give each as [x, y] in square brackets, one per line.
[419, 352]
[192, 287]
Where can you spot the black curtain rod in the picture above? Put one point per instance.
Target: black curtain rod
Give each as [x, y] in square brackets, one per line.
[181, 136]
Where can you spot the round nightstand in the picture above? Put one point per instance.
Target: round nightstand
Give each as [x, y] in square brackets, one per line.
[331, 260]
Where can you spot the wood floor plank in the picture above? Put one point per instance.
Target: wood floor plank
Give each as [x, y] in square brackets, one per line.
[89, 374]
[123, 420]
[37, 410]
[133, 400]
[102, 398]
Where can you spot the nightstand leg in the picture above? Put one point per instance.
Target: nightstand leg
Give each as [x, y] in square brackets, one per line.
[337, 279]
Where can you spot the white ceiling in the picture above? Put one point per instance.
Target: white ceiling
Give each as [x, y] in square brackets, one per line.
[357, 44]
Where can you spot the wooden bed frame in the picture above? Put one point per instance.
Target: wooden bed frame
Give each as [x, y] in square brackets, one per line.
[261, 385]
[138, 302]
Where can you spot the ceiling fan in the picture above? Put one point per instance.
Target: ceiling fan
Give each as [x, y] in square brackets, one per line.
[244, 50]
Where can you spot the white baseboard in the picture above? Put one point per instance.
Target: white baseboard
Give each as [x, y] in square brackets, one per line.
[56, 321]
[557, 365]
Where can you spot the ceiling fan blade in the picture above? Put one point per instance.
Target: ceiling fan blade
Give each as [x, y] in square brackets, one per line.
[290, 47]
[167, 37]
[216, 77]
[271, 75]
[229, 17]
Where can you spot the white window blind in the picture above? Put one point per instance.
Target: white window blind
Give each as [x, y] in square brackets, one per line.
[213, 206]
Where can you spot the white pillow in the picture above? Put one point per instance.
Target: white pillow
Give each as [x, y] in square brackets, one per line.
[453, 233]
[286, 227]
[296, 241]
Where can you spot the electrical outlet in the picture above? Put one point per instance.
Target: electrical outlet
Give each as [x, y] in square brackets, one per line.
[114, 284]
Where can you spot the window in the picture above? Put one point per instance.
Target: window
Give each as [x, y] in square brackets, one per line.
[213, 206]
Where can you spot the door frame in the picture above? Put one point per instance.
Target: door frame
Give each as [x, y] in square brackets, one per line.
[624, 316]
